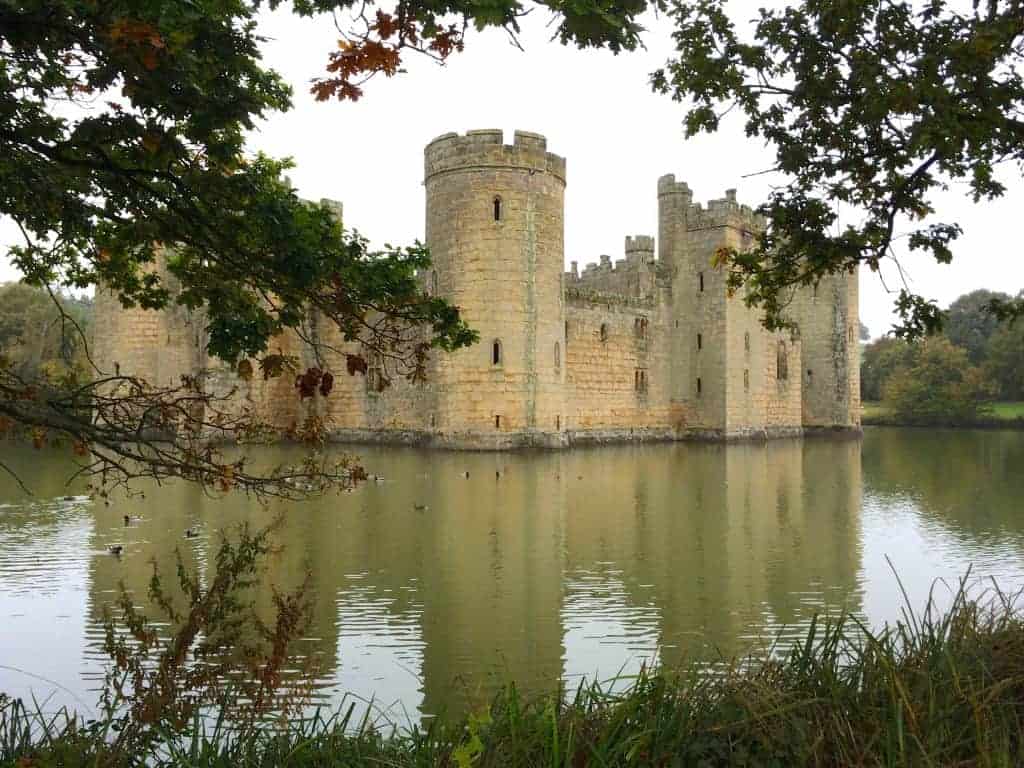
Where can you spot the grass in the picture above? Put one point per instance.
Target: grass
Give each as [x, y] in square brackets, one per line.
[942, 688]
[1008, 410]
[1003, 415]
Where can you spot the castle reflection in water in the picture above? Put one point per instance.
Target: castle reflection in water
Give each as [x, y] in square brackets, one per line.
[534, 568]
[561, 565]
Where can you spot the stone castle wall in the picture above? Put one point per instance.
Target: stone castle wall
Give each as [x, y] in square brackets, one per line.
[651, 346]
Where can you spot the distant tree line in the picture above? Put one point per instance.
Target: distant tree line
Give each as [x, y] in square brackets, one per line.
[42, 336]
[953, 376]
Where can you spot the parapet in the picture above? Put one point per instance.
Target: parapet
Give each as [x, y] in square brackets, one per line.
[639, 248]
[725, 212]
[482, 149]
[667, 185]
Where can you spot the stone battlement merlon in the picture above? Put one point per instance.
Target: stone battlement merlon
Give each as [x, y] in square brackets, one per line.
[722, 212]
[725, 212]
[485, 149]
[638, 245]
[667, 185]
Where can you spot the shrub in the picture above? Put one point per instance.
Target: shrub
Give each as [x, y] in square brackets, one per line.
[937, 386]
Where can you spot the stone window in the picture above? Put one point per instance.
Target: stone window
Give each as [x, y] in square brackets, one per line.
[497, 208]
[558, 356]
[700, 278]
[604, 331]
[558, 423]
[640, 380]
[746, 380]
[497, 422]
[640, 326]
[433, 421]
[566, 331]
[433, 282]
[746, 341]
[374, 379]
[699, 387]
[496, 352]
[700, 342]
[781, 363]
[810, 377]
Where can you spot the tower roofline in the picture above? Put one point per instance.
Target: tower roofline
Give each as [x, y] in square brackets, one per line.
[485, 149]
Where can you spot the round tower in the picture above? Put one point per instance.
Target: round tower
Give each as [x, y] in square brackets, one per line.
[495, 229]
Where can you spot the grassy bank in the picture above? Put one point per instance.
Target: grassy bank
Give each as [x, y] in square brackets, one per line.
[1003, 416]
[937, 690]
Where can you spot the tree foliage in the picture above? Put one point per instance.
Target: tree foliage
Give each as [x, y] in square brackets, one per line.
[970, 325]
[879, 361]
[122, 133]
[38, 335]
[1004, 361]
[937, 386]
[870, 106]
[376, 40]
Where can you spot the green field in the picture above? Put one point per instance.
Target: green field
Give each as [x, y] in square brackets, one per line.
[1011, 412]
[1008, 410]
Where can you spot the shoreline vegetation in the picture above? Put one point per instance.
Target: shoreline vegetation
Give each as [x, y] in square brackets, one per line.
[997, 416]
[940, 687]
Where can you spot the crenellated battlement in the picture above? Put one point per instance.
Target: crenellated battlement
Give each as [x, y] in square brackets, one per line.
[636, 275]
[725, 212]
[639, 248]
[485, 149]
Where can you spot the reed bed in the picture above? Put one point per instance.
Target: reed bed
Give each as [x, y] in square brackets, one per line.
[940, 688]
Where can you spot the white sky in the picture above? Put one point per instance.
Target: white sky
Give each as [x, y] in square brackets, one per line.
[597, 110]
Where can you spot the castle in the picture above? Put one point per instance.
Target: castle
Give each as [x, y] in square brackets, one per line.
[651, 347]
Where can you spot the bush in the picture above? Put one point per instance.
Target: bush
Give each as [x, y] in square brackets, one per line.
[937, 386]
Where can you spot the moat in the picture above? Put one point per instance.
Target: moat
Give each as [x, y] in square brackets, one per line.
[434, 588]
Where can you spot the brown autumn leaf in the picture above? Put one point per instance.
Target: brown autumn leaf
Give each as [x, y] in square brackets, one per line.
[326, 384]
[356, 364]
[275, 365]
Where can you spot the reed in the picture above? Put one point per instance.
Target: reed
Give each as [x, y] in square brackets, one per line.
[940, 688]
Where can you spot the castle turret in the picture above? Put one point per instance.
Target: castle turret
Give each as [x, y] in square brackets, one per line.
[827, 316]
[495, 228]
[731, 376]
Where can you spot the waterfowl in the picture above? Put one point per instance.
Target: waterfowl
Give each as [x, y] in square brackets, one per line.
[420, 507]
[116, 549]
[190, 534]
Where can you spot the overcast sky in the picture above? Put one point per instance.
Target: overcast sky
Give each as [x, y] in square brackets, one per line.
[596, 110]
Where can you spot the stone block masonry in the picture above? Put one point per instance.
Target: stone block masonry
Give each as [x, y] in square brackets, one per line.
[648, 347]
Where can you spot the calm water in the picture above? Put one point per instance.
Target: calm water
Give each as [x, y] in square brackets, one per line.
[568, 564]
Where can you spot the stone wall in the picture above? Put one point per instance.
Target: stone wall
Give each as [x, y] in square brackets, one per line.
[650, 347]
[617, 358]
[635, 275]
